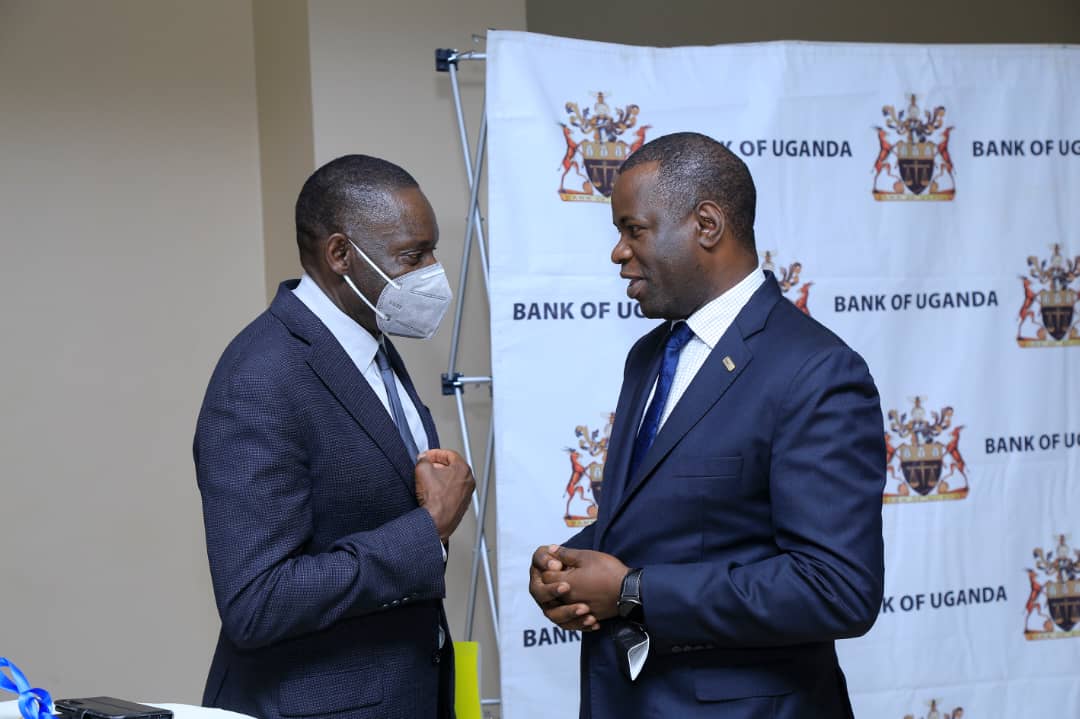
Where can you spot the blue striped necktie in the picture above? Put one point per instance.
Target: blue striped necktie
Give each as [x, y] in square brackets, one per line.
[676, 340]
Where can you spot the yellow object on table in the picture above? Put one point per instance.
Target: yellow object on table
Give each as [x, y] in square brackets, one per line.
[467, 680]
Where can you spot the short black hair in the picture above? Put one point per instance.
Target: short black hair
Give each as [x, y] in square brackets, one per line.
[347, 194]
[692, 168]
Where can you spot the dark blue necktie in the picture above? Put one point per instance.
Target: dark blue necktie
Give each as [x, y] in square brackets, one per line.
[397, 412]
[680, 335]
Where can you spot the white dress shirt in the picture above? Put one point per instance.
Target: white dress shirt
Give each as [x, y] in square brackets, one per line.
[361, 347]
[708, 323]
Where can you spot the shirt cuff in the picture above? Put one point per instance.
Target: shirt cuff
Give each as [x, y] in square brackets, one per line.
[632, 648]
[636, 655]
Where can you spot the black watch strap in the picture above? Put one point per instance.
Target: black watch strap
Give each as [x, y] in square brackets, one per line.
[630, 605]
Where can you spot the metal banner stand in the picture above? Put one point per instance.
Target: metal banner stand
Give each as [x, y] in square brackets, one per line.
[453, 382]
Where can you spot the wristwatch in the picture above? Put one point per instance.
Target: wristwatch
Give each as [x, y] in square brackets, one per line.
[630, 597]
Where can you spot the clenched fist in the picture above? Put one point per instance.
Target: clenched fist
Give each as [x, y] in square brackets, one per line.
[444, 486]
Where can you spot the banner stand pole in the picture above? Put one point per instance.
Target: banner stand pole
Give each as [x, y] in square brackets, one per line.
[453, 381]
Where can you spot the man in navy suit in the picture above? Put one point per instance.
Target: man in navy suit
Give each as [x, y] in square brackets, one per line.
[326, 500]
[740, 530]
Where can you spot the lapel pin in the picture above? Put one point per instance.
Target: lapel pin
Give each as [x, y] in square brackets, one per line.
[729, 363]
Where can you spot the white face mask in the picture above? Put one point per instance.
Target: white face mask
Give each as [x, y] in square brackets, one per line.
[413, 305]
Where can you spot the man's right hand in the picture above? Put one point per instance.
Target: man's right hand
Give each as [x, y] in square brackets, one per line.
[444, 486]
[548, 596]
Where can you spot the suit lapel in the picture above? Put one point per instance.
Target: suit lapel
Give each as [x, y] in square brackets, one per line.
[645, 365]
[705, 390]
[345, 382]
[332, 364]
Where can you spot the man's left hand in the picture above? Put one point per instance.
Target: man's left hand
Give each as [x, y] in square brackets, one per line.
[594, 578]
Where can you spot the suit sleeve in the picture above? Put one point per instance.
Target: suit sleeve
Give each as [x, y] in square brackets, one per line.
[583, 539]
[825, 483]
[252, 474]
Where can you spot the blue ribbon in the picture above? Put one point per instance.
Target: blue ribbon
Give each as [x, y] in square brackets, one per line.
[33, 703]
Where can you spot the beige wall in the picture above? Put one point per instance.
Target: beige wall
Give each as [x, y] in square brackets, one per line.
[286, 142]
[708, 22]
[131, 252]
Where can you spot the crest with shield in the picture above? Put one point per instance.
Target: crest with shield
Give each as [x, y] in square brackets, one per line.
[1056, 320]
[1061, 565]
[921, 154]
[602, 149]
[922, 458]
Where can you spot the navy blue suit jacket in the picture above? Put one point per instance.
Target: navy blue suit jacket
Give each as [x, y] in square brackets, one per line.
[756, 516]
[328, 576]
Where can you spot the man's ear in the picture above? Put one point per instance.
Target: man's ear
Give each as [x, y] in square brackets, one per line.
[711, 223]
[336, 253]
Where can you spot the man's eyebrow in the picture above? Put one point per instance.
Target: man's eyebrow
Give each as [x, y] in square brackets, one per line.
[425, 243]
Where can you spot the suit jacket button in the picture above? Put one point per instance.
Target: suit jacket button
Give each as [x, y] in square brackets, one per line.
[436, 657]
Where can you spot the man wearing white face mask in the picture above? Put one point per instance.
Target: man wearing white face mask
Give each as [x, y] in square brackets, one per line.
[326, 499]
[411, 306]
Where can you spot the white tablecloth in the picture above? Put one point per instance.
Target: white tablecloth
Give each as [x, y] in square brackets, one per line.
[10, 710]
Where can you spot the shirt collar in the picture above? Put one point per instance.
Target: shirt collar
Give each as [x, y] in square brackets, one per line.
[357, 342]
[712, 319]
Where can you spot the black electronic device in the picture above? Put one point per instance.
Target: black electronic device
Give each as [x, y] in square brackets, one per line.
[107, 708]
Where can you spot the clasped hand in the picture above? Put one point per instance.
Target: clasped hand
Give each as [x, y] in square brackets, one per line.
[576, 588]
[444, 486]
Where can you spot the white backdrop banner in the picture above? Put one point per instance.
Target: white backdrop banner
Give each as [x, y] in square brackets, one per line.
[921, 202]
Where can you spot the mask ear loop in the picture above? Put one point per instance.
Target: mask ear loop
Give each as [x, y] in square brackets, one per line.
[366, 301]
[374, 266]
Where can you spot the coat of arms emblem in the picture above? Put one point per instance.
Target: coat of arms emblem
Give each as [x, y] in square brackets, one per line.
[913, 150]
[586, 480]
[788, 279]
[597, 149]
[1050, 307]
[922, 458]
[1055, 600]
